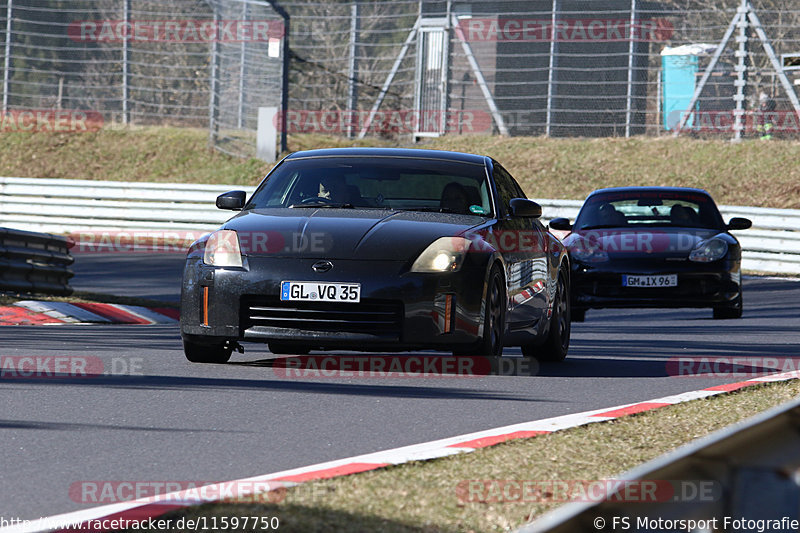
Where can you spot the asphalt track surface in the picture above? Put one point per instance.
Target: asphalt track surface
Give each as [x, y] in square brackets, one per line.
[170, 420]
[145, 275]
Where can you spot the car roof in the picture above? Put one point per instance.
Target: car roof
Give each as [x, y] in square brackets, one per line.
[443, 155]
[688, 190]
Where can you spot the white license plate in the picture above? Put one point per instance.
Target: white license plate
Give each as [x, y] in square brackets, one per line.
[311, 291]
[661, 280]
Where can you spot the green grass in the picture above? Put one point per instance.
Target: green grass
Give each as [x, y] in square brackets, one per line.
[159, 154]
[748, 173]
[753, 172]
[123, 154]
[421, 496]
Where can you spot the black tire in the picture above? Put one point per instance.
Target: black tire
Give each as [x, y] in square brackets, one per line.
[494, 315]
[733, 310]
[577, 314]
[207, 353]
[283, 348]
[556, 345]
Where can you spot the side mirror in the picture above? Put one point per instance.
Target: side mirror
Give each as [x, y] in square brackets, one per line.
[739, 223]
[231, 200]
[561, 224]
[522, 207]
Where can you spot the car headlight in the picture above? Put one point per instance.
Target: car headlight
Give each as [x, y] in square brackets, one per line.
[709, 250]
[445, 254]
[222, 249]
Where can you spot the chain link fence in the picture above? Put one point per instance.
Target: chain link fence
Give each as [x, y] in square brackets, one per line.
[544, 67]
[210, 64]
[405, 68]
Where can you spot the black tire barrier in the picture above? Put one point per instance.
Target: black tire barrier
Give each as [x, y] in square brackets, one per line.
[34, 263]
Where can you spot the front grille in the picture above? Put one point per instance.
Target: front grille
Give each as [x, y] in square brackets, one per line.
[610, 285]
[376, 317]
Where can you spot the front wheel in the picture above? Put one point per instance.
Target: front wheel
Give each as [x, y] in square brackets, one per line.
[207, 353]
[556, 345]
[494, 317]
[732, 310]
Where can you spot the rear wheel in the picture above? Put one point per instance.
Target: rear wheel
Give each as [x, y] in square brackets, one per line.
[556, 345]
[732, 310]
[207, 353]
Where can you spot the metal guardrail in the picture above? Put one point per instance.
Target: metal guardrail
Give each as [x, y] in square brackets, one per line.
[34, 263]
[748, 472]
[68, 206]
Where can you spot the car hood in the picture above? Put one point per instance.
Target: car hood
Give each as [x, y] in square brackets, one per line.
[649, 242]
[328, 233]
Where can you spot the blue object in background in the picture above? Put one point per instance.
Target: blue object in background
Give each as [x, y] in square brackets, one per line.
[679, 77]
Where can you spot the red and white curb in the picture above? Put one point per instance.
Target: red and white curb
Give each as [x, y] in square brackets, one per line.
[32, 312]
[154, 506]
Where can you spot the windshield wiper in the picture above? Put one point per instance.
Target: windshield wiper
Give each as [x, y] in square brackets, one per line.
[602, 226]
[323, 204]
[427, 209]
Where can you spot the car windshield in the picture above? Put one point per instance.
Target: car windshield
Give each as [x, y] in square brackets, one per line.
[395, 183]
[649, 208]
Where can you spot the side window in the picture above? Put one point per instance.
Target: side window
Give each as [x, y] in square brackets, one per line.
[507, 187]
[520, 193]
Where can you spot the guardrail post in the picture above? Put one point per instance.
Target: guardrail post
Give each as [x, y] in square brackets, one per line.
[266, 134]
[126, 15]
[7, 68]
[213, 83]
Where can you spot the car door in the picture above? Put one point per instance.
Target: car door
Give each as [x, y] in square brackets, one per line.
[521, 241]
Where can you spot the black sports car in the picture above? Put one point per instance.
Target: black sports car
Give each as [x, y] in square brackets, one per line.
[379, 249]
[653, 247]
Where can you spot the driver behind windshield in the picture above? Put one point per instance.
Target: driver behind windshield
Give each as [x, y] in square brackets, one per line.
[607, 215]
[334, 188]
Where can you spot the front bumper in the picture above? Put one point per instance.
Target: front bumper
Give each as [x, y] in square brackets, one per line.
[699, 285]
[398, 309]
